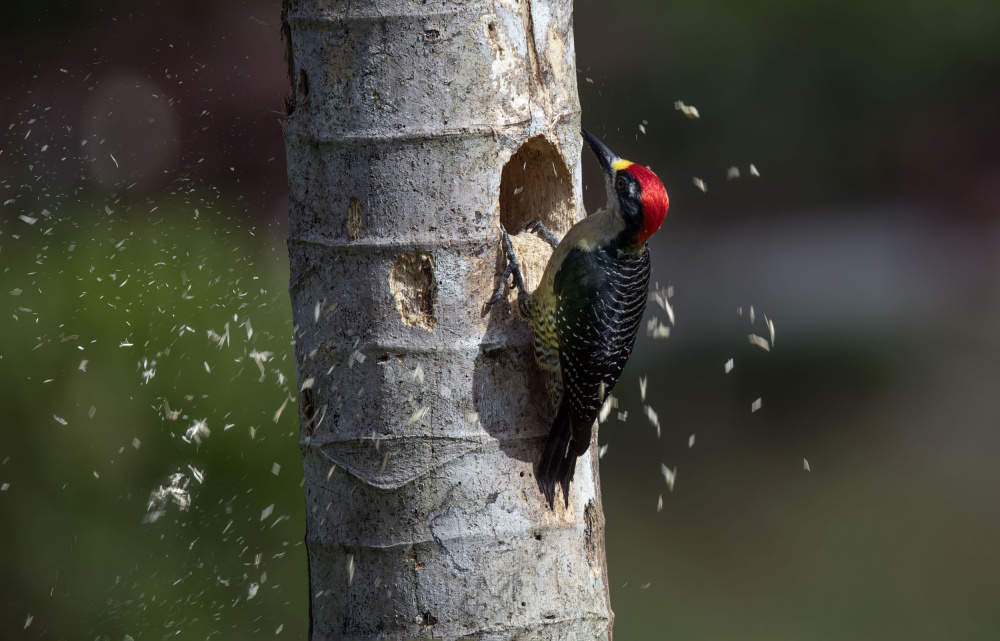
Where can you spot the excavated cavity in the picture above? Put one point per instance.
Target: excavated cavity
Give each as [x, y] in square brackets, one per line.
[413, 285]
[535, 185]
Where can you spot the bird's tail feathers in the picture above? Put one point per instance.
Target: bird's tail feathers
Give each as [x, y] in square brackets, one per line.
[558, 462]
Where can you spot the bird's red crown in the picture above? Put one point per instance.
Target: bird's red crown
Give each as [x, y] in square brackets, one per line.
[655, 201]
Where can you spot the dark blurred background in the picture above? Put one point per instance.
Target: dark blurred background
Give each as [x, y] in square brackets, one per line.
[149, 473]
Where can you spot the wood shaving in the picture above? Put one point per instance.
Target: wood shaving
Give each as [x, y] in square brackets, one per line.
[670, 475]
[688, 110]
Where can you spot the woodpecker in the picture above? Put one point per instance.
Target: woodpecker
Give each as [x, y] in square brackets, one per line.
[588, 306]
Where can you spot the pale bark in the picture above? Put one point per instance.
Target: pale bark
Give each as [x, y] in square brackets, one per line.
[414, 129]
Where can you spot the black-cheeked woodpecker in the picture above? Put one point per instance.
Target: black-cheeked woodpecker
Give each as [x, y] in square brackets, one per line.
[588, 306]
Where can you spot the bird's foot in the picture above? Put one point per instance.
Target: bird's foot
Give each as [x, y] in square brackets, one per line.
[513, 268]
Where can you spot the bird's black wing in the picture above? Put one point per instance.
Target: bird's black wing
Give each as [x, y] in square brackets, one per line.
[600, 300]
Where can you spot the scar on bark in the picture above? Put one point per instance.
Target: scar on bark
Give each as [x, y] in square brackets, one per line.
[354, 219]
[413, 285]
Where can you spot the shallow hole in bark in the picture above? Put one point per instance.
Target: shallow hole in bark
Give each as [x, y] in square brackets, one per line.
[413, 285]
[302, 87]
[535, 185]
[354, 219]
[308, 411]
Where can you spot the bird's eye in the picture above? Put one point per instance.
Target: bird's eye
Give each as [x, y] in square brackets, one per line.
[621, 183]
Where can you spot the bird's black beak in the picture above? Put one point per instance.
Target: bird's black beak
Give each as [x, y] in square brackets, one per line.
[604, 155]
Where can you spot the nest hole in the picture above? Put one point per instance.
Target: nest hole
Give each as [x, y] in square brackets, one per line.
[535, 185]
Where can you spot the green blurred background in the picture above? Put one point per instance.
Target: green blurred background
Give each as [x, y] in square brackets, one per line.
[143, 215]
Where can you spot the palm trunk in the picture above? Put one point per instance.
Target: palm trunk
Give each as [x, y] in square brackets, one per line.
[413, 129]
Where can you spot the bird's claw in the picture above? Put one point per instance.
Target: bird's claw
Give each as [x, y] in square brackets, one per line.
[536, 227]
[512, 268]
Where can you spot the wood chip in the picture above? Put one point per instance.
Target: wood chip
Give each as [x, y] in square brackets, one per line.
[688, 110]
[610, 403]
[418, 415]
[670, 475]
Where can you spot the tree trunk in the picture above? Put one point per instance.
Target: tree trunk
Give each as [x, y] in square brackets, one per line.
[413, 130]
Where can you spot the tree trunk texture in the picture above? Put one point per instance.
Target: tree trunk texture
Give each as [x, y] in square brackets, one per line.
[413, 130]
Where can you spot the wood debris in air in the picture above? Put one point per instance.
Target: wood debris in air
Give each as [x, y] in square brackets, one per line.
[670, 475]
[688, 110]
[610, 403]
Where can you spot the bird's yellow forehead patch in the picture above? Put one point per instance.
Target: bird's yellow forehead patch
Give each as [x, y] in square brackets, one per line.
[620, 164]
